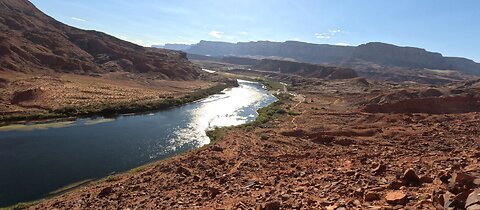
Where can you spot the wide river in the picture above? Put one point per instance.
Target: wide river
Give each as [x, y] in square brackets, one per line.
[39, 159]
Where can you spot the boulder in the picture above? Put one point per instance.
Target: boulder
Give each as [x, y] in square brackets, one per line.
[371, 196]
[411, 177]
[274, 205]
[379, 168]
[213, 192]
[184, 171]
[105, 192]
[473, 200]
[460, 182]
[396, 198]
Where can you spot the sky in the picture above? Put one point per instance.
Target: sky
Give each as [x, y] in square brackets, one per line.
[446, 26]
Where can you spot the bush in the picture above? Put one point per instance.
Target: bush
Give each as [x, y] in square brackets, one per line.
[264, 136]
[293, 113]
[266, 114]
[216, 134]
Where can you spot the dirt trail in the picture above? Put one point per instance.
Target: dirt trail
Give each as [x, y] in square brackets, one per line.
[300, 98]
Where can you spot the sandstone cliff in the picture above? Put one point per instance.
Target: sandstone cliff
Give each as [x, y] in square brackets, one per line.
[370, 54]
[32, 41]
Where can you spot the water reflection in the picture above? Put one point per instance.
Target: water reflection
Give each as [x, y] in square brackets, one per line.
[234, 107]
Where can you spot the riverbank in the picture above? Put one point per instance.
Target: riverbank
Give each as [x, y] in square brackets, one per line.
[115, 145]
[327, 155]
[71, 96]
[265, 115]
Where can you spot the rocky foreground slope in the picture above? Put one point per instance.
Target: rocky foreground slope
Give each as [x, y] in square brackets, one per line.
[321, 152]
[31, 41]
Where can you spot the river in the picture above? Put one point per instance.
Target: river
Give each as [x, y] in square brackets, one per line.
[38, 159]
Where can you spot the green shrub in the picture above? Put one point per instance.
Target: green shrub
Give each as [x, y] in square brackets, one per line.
[216, 134]
[264, 136]
[293, 113]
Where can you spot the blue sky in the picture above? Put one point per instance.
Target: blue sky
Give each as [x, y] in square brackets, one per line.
[446, 26]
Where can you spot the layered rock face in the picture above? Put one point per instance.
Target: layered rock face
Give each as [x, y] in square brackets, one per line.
[306, 69]
[304, 52]
[294, 68]
[376, 53]
[212, 48]
[457, 98]
[32, 41]
[399, 56]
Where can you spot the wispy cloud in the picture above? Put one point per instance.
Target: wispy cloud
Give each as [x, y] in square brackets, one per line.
[342, 44]
[216, 34]
[334, 31]
[243, 33]
[322, 36]
[78, 19]
[327, 35]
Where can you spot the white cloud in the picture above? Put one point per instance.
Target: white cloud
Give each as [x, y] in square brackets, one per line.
[216, 34]
[243, 33]
[342, 44]
[327, 35]
[334, 31]
[322, 36]
[78, 19]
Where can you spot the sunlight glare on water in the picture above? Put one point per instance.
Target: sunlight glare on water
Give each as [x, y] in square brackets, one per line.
[231, 108]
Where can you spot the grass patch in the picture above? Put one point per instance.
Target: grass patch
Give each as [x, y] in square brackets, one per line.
[271, 85]
[266, 114]
[30, 116]
[19, 206]
[40, 126]
[293, 113]
[264, 136]
[263, 120]
[216, 134]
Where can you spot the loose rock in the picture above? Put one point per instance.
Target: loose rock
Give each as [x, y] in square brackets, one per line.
[371, 196]
[473, 200]
[396, 198]
[411, 177]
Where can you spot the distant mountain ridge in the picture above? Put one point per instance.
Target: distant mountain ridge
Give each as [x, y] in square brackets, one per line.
[293, 68]
[173, 46]
[347, 56]
[32, 41]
